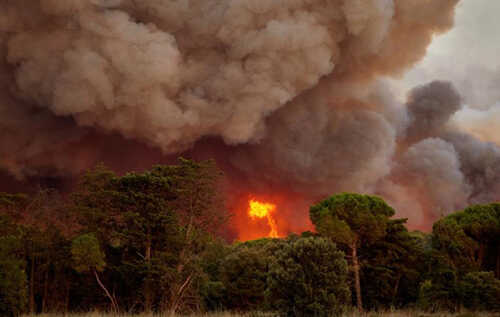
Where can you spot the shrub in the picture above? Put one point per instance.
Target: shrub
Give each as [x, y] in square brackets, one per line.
[480, 291]
[308, 277]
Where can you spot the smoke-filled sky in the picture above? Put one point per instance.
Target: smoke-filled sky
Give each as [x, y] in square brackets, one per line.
[295, 99]
[471, 46]
[468, 56]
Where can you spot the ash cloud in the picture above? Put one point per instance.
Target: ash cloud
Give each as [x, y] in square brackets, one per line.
[430, 107]
[291, 92]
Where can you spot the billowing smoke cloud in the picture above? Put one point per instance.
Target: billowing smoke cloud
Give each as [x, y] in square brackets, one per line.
[323, 145]
[480, 163]
[285, 94]
[430, 107]
[432, 171]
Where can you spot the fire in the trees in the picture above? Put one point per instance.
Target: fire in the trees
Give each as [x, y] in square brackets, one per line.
[260, 210]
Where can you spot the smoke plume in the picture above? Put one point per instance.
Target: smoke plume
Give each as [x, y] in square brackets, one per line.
[287, 95]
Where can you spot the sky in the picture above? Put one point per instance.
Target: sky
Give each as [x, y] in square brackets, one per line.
[475, 39]
[468, 55]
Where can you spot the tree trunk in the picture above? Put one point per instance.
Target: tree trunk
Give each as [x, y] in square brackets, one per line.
[148, 296]
[113, 304]
[66, 299]
[481, 256]
[178, 296]
[498, 263]
[32, 286]
[357, 284]
[45, 290]
[187, 245]
[396, 289]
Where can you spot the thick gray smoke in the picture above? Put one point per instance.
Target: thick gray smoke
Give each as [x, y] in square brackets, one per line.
[480, 164]
[290, 87]
[430, 107]
[439, 168]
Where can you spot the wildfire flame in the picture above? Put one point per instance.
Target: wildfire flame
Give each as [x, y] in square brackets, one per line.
[259, 210]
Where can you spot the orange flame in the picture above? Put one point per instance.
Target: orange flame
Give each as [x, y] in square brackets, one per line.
[257, 209]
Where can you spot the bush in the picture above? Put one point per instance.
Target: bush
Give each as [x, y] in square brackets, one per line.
[480, 291]
[436, 296]
[308, 277]
[243, 275]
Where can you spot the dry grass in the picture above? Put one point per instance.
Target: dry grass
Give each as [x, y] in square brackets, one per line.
[98, 314]
[228, 314]
[419, 314]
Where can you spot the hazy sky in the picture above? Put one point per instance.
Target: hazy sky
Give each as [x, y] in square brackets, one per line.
[468, 55]
[475, 38]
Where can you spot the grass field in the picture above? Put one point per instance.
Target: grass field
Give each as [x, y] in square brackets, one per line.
[228, 314]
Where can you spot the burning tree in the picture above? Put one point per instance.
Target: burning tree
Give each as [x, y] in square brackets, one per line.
[259, 210]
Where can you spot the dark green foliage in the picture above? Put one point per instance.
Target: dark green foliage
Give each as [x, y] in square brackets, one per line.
[439, 295]
[392, 268]
[355, 222]
[154, 226]
[308, 277]
[13, 205]
[353, 217]
[88, 257]
[13, 284]
[149, 230]
[296, 276]
[148, 241]
[197, 196]
[480, 291]
[464, 244]
[468, 240]
[212, 288]
[476, 291]
[244, 277]
[86, 254]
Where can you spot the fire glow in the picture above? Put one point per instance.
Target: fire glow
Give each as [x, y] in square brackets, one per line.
[260, 210]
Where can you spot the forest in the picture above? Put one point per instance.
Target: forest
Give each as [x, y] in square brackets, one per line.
[152, 241]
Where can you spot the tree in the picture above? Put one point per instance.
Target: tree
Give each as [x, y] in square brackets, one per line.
[469, 240]
[211, 288]
[200, 207]
[482, 223]
[156, 224]
[197, 189]
[44, 222]
[13, 282]
[392, 267]
[88, 257]
[150, 227]
[352, 221]
[13, 205]
[308, 277]
[93, 204]
[464, 244]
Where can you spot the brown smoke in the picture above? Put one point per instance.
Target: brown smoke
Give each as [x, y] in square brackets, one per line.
[287, 95]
